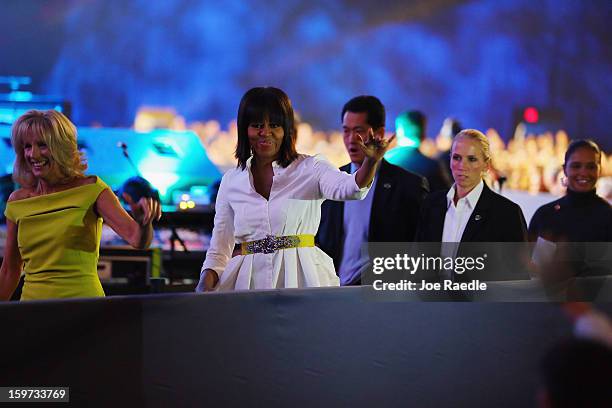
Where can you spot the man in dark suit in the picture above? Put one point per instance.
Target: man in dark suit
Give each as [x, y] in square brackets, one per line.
[391, 209]
[410, 128]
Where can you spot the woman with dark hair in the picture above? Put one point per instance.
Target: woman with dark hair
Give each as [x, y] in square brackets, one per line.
[54, 221]
[268, 208]
[581, 215]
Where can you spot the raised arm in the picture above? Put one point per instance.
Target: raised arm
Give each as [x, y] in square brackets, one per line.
[335, 184]
[374, 148]
[339, 186]
[137, 231]
[11, 263]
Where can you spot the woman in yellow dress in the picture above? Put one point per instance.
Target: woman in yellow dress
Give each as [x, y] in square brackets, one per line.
[54, 221]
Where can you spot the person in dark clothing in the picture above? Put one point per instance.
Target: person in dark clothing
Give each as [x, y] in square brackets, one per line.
[576, 373]
[581, 215]
[578, 217]
[390, 211]
[470, 212]
[410, 128]
[451, 127]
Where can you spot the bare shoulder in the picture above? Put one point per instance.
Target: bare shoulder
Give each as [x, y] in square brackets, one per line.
[20, 194]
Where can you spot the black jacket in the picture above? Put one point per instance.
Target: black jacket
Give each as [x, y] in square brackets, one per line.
[576, 217]
[494, 219]
[576, 223]
[394, 215]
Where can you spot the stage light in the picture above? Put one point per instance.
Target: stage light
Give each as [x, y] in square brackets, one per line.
[161, 181]
[198, 191]
[20, 96]
[531, 115]
[407, 133]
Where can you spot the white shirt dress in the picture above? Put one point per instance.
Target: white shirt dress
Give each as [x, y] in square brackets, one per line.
[294, 207]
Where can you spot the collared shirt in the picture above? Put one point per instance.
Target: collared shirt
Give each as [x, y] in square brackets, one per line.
[293, 207]
[457, 217]
[356, 222]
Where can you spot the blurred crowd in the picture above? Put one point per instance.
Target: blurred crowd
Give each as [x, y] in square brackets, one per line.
[527, 162]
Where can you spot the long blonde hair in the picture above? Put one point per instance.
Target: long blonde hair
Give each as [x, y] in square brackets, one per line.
[58, 133]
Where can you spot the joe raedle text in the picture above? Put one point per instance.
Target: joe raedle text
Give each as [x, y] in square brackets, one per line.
[424, 286]
[443, 266]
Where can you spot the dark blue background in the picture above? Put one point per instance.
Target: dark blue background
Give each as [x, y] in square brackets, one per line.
[476, 60]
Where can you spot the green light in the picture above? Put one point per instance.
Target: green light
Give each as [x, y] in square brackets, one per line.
[198, 191]
[407, 133]
[161, 181]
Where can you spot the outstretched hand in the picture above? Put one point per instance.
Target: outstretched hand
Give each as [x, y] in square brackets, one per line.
[145, 211]
[375, 146]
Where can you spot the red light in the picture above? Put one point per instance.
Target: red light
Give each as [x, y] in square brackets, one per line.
[531, 115]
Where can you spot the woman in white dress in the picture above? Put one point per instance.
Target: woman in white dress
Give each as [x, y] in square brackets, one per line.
[268, 208]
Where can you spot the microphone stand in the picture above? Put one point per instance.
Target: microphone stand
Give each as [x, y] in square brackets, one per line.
[124, 149]
[174, 238]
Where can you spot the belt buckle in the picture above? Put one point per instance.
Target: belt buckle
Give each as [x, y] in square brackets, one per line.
[262, 246]
[269, 244]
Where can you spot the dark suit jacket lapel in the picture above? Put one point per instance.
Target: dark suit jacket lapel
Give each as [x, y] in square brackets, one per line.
[339, 206]
[385, 183]
[331, 229]
[479, 215]
[438, 213]
[338, 214]
[346, 168]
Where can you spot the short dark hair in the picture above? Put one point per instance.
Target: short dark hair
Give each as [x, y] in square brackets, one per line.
[577, 372]
[419, 119]
[260, 104]
[579, 144]
[455, 127]
[369, 104]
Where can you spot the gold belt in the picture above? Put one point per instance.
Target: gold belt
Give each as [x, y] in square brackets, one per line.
[272, 244]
